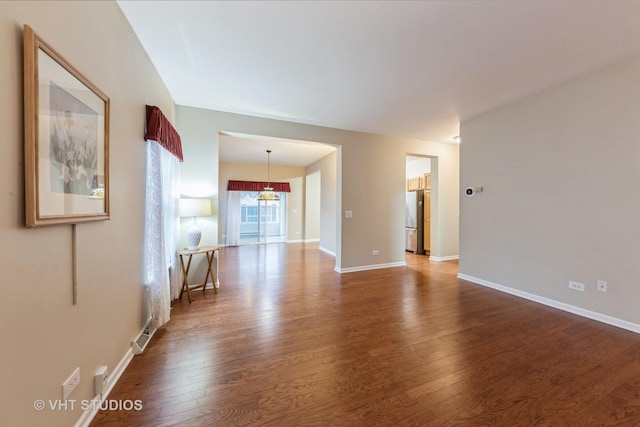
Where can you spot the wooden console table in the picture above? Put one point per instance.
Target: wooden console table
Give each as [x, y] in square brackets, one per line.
[209, 251]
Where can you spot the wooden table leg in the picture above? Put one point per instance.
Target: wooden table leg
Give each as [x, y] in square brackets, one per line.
[209, 272]
[216, 284]
[185, 274]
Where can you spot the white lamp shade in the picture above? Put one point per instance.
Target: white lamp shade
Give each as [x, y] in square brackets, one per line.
[195, 207]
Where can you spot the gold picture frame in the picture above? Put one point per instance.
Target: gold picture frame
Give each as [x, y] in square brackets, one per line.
[66, 149]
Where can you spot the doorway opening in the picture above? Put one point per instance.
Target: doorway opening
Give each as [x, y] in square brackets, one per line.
[262, 221]
[418, 205]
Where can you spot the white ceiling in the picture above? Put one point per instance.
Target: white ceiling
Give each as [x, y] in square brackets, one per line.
[403, 68]
[239, 148]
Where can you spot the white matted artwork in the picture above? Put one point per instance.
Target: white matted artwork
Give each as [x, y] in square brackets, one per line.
[66, 140]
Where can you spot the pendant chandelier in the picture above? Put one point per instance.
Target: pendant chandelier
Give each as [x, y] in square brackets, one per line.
[268, 193]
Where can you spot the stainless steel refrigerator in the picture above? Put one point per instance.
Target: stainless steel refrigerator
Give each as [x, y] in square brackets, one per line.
[414, 231]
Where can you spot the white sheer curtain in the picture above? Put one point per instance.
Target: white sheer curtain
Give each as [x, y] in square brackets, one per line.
[160, 264]
[233, 218]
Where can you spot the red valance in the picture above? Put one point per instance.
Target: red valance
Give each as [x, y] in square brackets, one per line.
[278, 187]
[159, 129]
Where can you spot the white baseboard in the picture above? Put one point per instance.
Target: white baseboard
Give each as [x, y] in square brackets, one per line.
[88, 415]
[444, 258]
[613, 321]
[311, 240]
[295, 241]
[327, 251]
[370, 267]
[210, 285]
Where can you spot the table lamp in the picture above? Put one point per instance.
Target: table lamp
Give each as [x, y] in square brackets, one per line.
[194, 208]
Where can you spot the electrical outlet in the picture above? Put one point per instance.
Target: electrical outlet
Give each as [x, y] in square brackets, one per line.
[70, 383]
[375, 252]
[100, 380]
[602, 286]
[576, 286]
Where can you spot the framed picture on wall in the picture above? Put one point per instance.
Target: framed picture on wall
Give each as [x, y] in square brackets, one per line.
[66, 121]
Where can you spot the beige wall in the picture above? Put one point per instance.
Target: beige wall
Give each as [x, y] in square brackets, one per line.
[312, 206]
[418, 167]
[45, 337]
[329, 214]
[370, 180]
[560, 201]
[199, 171]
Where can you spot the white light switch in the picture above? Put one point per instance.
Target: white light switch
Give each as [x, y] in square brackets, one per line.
[348, 214]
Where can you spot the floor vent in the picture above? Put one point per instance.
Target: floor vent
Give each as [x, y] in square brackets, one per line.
[141, 340]
[144, 336]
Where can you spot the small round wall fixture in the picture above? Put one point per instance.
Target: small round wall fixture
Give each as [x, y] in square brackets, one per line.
[471, 191]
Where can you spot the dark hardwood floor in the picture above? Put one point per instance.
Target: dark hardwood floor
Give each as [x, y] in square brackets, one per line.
[289, 342]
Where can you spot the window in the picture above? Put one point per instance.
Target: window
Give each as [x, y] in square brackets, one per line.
[249, 214]
[261, 220]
